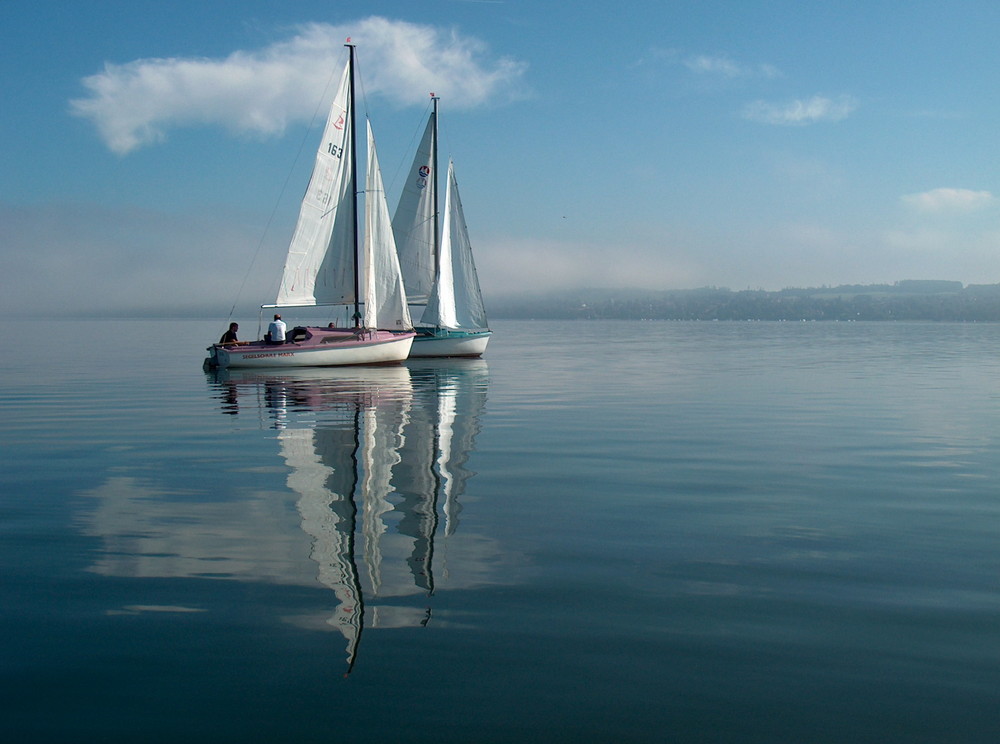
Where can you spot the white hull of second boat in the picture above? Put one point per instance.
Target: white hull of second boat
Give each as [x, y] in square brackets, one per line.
[450, 344]
[324, 349]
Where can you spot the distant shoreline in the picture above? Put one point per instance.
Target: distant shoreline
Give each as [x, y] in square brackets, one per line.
[930, 300]
[915, 300]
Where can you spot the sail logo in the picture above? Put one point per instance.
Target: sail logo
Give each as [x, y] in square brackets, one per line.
[339, 124]
[422, 173]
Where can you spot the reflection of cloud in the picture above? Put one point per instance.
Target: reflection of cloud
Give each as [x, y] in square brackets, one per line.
[374, 492]
[949, 200]
[139, 609]
[801, 112]
[151, 532]
[260, 91]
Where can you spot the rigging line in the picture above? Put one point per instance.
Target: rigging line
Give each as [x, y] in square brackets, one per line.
[360, 78]
[284, 186]
[403, 162]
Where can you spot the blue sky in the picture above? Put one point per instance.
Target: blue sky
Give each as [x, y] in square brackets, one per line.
[151, 150]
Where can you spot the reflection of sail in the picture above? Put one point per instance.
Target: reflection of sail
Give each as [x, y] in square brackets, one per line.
[384, 438]
[460, 386]
[447, 404]
[417, 489]
[329, 515]
[438, 441]
[338, 465]
[374, 464]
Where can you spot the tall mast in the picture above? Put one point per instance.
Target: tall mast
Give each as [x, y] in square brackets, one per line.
[354, 186]
[434, 185]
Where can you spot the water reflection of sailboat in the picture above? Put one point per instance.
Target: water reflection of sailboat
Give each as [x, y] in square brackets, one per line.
[432, 472]
[376, 457]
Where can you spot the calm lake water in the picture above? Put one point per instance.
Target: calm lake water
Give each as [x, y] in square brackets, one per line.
[608, 532]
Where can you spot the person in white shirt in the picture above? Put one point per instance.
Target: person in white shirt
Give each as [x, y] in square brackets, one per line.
[276, 331]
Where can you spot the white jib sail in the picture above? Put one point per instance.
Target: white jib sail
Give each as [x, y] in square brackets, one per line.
[385, 298]
[456, 301]
[413, 222]
[319, 268]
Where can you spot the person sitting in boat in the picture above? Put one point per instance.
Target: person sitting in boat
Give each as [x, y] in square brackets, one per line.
[276, 331]
[229, 337]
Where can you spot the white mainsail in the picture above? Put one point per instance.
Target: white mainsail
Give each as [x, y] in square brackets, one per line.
[415, 221]
[456, 301]
[385, 298]
[319, 268]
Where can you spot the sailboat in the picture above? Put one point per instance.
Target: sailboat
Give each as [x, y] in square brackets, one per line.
[322, 265]
[439, 272]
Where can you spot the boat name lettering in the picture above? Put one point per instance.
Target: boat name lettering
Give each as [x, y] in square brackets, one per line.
[262, 356]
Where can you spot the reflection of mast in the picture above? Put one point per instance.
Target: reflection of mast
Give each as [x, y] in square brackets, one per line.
[329, 515]
[417, 485]
[447, 392]
[342, 471]
[439, 439]
[376, 458]
[354, 617]
[359, 447]
[383, 440]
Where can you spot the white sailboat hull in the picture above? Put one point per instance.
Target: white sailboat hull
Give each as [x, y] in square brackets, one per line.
[450, 344]
[324, 348]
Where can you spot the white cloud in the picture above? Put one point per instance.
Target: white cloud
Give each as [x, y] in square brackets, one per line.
[949, 200]
[801, 112]
[726, 67]
[134, 104]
